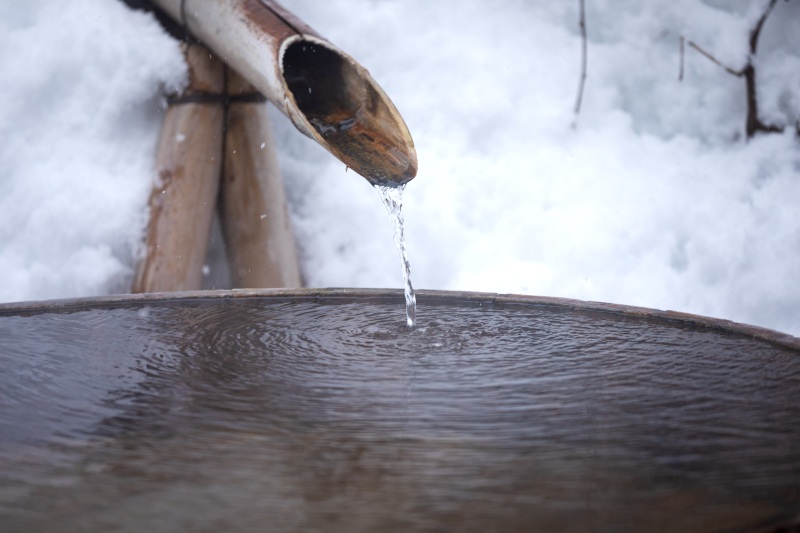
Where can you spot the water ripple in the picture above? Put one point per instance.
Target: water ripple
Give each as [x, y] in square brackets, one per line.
[239, 410]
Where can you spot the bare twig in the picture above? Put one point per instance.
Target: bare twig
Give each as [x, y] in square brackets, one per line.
[756, 32]
[681, 43]
[584, 59]
[729, 70]
[753, 123]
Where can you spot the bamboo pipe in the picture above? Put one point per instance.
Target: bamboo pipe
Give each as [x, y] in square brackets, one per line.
[184, 197]
[326, 93]
[255, 220]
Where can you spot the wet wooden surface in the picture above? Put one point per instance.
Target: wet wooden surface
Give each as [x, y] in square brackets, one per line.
[320, 410]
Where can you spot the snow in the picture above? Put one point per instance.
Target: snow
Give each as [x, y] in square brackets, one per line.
[79, 118]
[654, 199]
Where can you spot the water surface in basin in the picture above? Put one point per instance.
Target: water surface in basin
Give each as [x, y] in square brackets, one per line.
[297, 415]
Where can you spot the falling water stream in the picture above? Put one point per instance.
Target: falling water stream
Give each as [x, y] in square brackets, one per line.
[392, 197]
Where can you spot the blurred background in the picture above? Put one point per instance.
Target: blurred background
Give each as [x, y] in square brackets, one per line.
[655, 194]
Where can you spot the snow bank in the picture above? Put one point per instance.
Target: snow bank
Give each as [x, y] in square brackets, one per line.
[79, 118]
[655, 199]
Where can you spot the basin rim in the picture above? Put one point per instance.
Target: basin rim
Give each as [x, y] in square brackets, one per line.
[435, 297]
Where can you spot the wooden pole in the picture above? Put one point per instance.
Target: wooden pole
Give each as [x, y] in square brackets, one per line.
[253, 212]
[184, 195]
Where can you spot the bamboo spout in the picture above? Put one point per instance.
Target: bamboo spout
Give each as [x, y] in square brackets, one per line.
[326, 93]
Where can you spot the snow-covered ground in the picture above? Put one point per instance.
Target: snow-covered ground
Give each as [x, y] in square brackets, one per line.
[655, 198]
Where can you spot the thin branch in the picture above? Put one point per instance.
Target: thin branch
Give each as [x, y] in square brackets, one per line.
[681, 43]
[584, 59]
[737, 73]
[753, 123]
[756, 33]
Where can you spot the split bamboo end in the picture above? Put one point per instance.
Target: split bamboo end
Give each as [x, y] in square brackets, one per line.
[327, 94]
[346, 111]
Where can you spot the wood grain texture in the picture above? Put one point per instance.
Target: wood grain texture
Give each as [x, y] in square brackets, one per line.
[253, 211]
[184, 195]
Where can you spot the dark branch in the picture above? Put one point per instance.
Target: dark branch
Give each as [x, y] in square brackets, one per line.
[753, 123]
[584, 59]
[755, 34]
[738, 73]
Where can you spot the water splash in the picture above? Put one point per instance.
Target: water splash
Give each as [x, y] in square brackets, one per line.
[392, 198]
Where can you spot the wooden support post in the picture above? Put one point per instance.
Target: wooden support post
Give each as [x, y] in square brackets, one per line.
[255, 220]
[184, 196]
